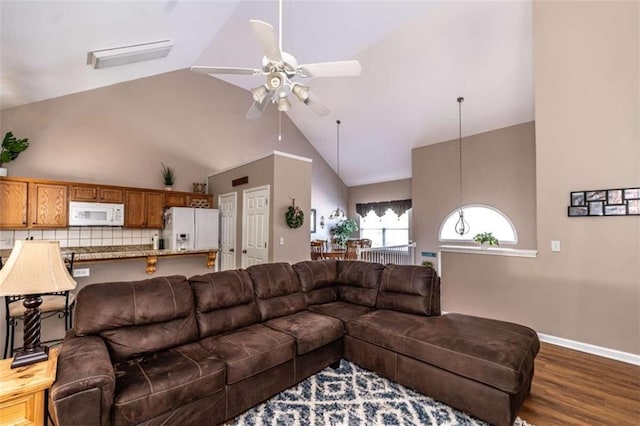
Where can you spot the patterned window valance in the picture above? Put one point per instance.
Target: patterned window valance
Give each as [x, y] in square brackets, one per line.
[398, 207]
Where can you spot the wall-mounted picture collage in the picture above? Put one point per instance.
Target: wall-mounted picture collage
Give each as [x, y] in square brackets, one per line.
[605, 202]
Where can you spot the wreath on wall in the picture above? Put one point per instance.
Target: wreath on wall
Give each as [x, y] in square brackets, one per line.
[294, 216]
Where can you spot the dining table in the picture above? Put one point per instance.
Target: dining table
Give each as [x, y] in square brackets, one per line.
[334, 254]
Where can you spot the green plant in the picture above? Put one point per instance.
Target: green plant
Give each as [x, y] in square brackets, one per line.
[426, 263]
[11, 148]
[343, 230]
[168, 175]
[486, 238]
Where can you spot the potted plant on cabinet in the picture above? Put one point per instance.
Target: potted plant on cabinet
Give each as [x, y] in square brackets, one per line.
[169, 176]
[486, 239]
[11, 148]
[343, 230]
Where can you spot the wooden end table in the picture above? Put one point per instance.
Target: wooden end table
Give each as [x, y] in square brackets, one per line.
[22, 390]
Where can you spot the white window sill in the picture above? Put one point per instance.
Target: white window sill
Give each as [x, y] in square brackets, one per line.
[492, 251]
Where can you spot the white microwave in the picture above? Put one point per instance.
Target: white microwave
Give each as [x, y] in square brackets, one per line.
[95, 214]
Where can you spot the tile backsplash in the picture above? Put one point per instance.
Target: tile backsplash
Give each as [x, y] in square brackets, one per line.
[81, 236]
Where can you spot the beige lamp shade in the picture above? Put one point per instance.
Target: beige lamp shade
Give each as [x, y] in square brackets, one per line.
[35, 267]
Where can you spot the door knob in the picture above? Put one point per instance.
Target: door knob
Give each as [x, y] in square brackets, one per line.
[232, 250]
[244, 252]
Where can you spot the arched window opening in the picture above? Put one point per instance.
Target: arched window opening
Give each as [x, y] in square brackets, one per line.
[480, 218]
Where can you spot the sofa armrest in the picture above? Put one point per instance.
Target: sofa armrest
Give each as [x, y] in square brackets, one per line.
[85, 382]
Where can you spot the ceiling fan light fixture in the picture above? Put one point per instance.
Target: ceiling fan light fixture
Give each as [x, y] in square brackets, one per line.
[301, 92]
[259, 93]
[283, 104]
[274, 81]
[124, 55]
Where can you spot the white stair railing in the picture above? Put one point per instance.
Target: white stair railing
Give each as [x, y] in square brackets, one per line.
[398, 255]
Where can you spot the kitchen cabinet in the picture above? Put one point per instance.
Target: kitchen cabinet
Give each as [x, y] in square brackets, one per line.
[143, 209]
[95, 193]
[172, 199]
[48, 205]
[13, 199]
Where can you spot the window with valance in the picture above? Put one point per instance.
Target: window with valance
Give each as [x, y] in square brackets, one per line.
[399, 207]
[385, 223]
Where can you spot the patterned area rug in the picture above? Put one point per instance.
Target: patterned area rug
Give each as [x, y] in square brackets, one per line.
[351, 396]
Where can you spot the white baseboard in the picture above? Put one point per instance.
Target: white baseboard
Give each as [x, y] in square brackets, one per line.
[591, 349]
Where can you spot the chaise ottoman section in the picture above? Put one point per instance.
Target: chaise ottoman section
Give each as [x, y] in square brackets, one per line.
[490, 361]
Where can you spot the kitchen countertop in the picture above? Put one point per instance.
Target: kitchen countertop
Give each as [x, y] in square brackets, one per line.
[98, 253]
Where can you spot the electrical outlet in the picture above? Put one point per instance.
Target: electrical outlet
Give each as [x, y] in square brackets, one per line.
[281, 241]
[81, 272]
[555, 245]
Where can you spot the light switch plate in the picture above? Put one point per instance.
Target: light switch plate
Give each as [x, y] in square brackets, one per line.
[555, 245]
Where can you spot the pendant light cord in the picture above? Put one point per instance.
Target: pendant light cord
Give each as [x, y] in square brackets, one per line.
[280, 24]
[338, 149]
[460, 101]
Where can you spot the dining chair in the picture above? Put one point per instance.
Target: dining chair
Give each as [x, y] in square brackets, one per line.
[317, 249]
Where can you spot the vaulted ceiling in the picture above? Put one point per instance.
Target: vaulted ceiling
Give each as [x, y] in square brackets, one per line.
[417, 57]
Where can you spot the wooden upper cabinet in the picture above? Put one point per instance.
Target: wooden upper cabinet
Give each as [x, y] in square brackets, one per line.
[155, 209]
[94, 193]
[134, 211]
[48, 205]
[143, 209]
[13, 199]
[172, 199]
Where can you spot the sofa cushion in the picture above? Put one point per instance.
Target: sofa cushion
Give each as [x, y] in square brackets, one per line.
[223, 301]
[343, 311]
[359, 282]
[250, 350]
[310, 330]
[318, 280]
[277, 290]
[141, 317]
[411, 289]
[164, 381]
[496, 353]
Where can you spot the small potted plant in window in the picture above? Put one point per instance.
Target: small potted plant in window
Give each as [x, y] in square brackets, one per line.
[486, 239]
[10, 149]
[169, 177]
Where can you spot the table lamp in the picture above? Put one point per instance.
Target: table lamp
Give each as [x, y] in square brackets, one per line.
[34, 267]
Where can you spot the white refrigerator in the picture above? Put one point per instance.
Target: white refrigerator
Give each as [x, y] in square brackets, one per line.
[188, 228]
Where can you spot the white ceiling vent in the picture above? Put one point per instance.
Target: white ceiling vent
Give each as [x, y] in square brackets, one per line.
[129, 54]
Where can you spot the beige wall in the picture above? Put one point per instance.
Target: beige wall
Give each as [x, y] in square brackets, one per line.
[292, 181]
[587, 77]
[498, 170]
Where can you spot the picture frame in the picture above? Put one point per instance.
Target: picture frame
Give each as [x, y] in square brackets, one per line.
[596, 208]
[578, 211]
[577, 199]
[633, 207]
[614, 197]
[599, 195]
[615, 210]
[632, 193]
[312, 220]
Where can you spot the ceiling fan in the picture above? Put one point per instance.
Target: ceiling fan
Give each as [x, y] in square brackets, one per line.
[280, 69]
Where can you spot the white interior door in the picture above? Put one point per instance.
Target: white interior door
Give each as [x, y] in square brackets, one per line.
[227, 205]
[255, 226]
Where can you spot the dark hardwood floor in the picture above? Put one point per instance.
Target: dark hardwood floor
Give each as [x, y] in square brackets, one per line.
[575, 388]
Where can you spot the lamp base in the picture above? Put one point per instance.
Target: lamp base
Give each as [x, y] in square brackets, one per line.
[28, 357]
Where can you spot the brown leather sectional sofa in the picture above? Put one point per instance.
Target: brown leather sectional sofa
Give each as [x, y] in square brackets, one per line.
[192, 352]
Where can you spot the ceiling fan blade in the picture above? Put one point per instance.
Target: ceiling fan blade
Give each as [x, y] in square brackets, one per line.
[257, 109]
[268, 39]
[316, 105]
[225, 70]
[332, 69]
